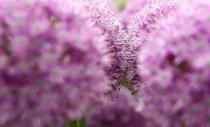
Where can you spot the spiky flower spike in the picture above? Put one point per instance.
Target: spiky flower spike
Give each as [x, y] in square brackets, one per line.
[125, 42]
[104, 17]
[131, 9]
[118, 37]
[51, 62]
[175, 67]
[146, 20]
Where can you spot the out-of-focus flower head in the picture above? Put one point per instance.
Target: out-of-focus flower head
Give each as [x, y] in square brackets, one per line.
[51, 62]
[118, 113]
[175, 68]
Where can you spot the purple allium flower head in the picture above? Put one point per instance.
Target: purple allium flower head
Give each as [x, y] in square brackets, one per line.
[119, 113]
[51, 62]
[175, 67]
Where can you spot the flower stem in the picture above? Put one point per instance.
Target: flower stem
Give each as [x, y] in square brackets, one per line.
[78, 123]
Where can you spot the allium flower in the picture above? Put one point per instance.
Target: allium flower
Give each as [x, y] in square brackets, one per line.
[51, 62]
[119, 113]
[175, 67]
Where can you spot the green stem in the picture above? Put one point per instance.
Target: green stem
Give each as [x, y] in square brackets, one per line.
[78, 123]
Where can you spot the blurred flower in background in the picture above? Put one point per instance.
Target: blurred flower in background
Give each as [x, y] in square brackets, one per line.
[51, 63]
[174, 66]
[118, 113]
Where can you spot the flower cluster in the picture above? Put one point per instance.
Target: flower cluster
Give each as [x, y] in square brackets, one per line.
[51, 62]
[175, 67]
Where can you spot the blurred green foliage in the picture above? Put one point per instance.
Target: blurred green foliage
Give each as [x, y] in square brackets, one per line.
[121, 4]
[76, 123]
